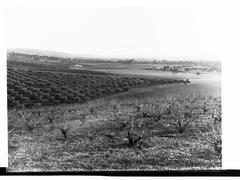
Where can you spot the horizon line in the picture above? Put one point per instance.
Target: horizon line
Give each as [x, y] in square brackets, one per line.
[56, 53]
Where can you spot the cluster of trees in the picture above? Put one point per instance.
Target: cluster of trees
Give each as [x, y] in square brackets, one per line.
[176, 69]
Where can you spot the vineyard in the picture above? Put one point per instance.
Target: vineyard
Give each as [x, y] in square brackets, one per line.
[31, 84]
[174, 132]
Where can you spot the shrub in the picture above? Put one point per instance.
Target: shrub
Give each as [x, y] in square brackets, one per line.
[213, 136]
[92, 109]
[182, 115]
[64, 130]
[205, 107]
[133, 138]
[28, 121]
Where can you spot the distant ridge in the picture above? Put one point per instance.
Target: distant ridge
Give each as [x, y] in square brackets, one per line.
[68, 55]
[43, 53]
[94, 57]
[61, 54]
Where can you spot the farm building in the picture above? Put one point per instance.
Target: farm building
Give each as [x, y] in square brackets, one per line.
[78, 65]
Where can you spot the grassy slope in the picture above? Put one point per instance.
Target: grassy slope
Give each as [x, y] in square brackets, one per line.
[98, 142]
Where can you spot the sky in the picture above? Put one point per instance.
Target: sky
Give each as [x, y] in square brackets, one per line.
[172, 30]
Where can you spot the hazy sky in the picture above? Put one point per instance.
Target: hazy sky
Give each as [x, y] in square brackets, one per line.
[166, 29]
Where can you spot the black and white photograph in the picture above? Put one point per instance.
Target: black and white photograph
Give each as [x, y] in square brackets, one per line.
[114, 86]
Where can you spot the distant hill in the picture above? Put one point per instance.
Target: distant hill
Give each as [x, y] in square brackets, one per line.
[43, 53]
[61, 54]
[67, 55]
[102, 58]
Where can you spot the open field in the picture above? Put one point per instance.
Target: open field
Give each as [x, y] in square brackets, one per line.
[134, 70]
[156, 123]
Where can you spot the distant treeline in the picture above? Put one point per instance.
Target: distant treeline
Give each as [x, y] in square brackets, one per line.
[30, 57]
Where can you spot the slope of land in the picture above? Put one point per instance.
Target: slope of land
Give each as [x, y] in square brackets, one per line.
[155, 123]
[32, 84]
[151, 133]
